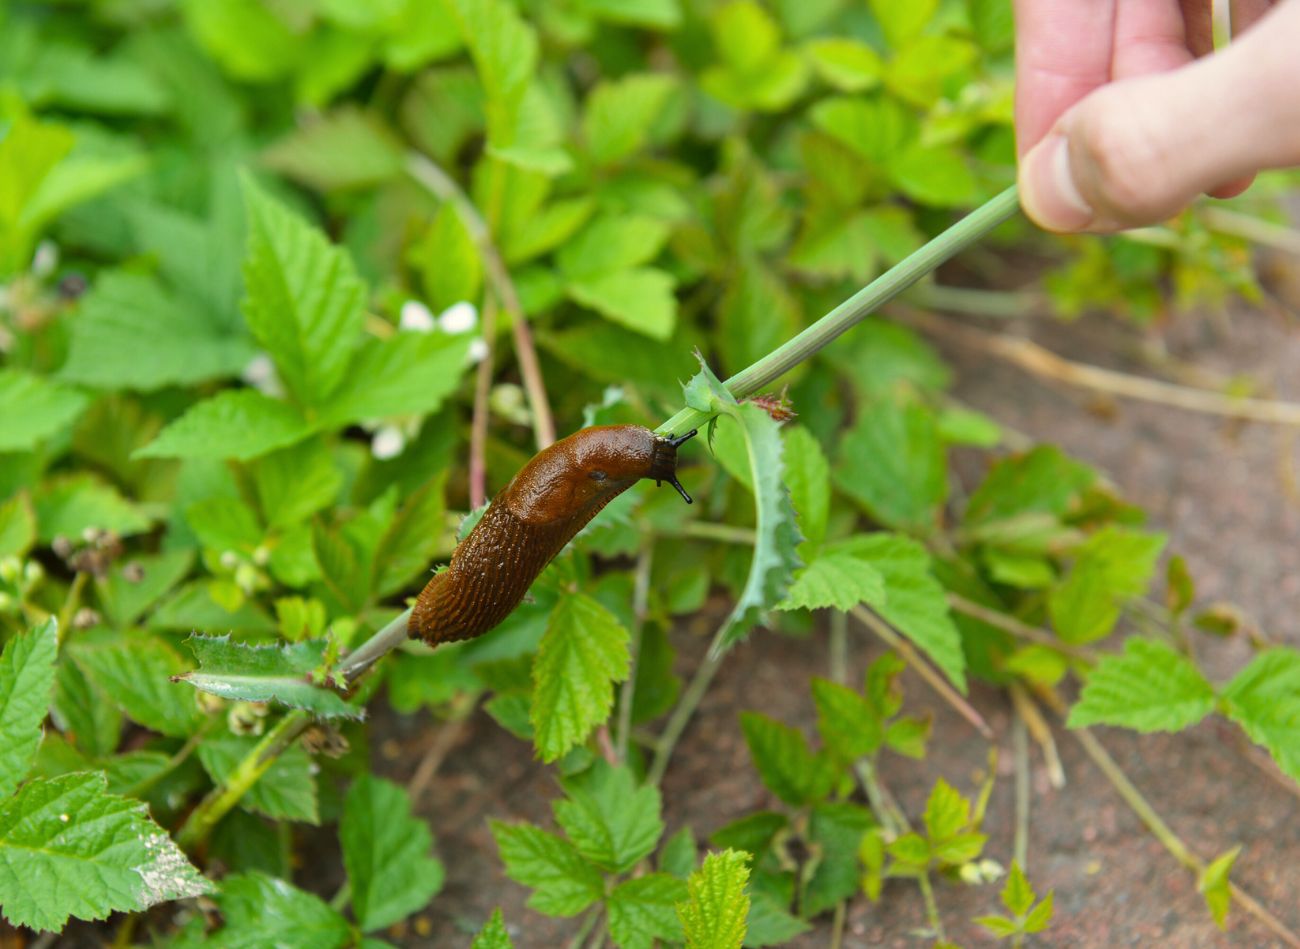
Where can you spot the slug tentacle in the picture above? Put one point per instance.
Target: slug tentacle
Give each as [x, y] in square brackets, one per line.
[547, 502]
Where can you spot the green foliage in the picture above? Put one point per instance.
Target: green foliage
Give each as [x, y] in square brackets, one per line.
[1215, 886]
[386, 852]
[1029, 915]
[1150, 688]
[249, 253]
[713, 915]
[493, 935]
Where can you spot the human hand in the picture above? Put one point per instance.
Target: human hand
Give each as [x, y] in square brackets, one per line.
[1124, 114]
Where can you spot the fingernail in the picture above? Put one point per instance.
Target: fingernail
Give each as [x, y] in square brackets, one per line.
[1047, 189]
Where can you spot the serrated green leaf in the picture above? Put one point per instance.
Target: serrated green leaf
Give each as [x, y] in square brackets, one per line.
[770, 923]
[836, 828]
[34, 409]
[448, 259]
[1111, 566]
[641, 299]
[753, 833]
[999, 926]
[409, 374]
[563, 883]
[1040, 917]
[341, 563]
[263, 911]
[933, 175]
[243, 672]
[285, 791]
[236, 423]
[807, 475]
[1215, 886]
[1264, 699]
[304, 301]
[66, 506]
[652, 14]
[493, 935]
[26, 684]
[418, 529]
[582, 654]
[387, 854]
[131, 333]
[611, 821]
[837, 578]
[910, 849]
[784, 761]
[294, 483]
[915, 604]
[619, 114]
[777, 534]
[69, 848]
[1151, 687]
[849, 725]
[1041, 481]
[903, 22]
[947, 812]
[876, 129]
[611, 244]
[642, 910]
[713, 916]
[1017, 894]
[136, 672]
[85, 715]
[344, 149]
[677, 855]
[893, 463]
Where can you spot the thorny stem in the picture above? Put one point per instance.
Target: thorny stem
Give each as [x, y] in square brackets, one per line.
[374, 648]
[1159, 829]
[221, 799]
[478, 429]
[640, 606]
[915, 660]
[432, 177]
[858, 307]
[685, 708]
[1044, 363]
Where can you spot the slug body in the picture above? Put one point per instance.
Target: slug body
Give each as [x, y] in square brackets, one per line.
[547, 502]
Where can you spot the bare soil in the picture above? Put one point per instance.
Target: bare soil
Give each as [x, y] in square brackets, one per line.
[1220, 489]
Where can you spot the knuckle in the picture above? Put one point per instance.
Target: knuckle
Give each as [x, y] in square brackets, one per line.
[1125, 168]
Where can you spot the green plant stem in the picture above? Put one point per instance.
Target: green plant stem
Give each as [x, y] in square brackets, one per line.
[891, 816]
[931, 906]
[341, 898]
[837, 926]
[640, 606]
[932, 678]
[1009, 624]
[839, 648]
[685, 708]
[175, 761]
[442, 185]
[478, 426]
[221, 799]
[858, 307]
[710, 530]
[374, 648]
[70, 603]
[1020, 744]
[584, 930]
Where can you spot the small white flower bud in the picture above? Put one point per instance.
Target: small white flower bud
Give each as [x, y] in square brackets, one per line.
[415, 317]
[458, 318]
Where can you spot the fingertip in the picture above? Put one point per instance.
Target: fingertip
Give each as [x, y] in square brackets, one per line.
[1048, 192]
[1230, 189]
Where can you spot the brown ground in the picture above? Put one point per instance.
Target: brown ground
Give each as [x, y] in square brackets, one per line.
[1215, 486]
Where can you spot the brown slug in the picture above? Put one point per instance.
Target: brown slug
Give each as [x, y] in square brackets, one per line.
[547, 502]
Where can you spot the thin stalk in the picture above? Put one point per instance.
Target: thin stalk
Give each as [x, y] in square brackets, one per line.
[1044, 363]
[441, 184]
[1009, 624]
[839, 648]
[70, 603]
[378, 645]
[931, 906]
[588, 924]
[686, 706]
[837, 925]
[1041, 732]
[221, 799]
[999, 304]
[341, 898]
[891, 816]
[932, 678]
[1254, 229]
[1162, 831]
[640, 607]
[142, 786]
[858, 307]
[710, 530]
[1020, 746]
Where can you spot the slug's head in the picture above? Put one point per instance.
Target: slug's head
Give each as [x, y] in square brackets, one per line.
[580, 474]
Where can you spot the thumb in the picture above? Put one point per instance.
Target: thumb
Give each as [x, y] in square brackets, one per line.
[1139, 150]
